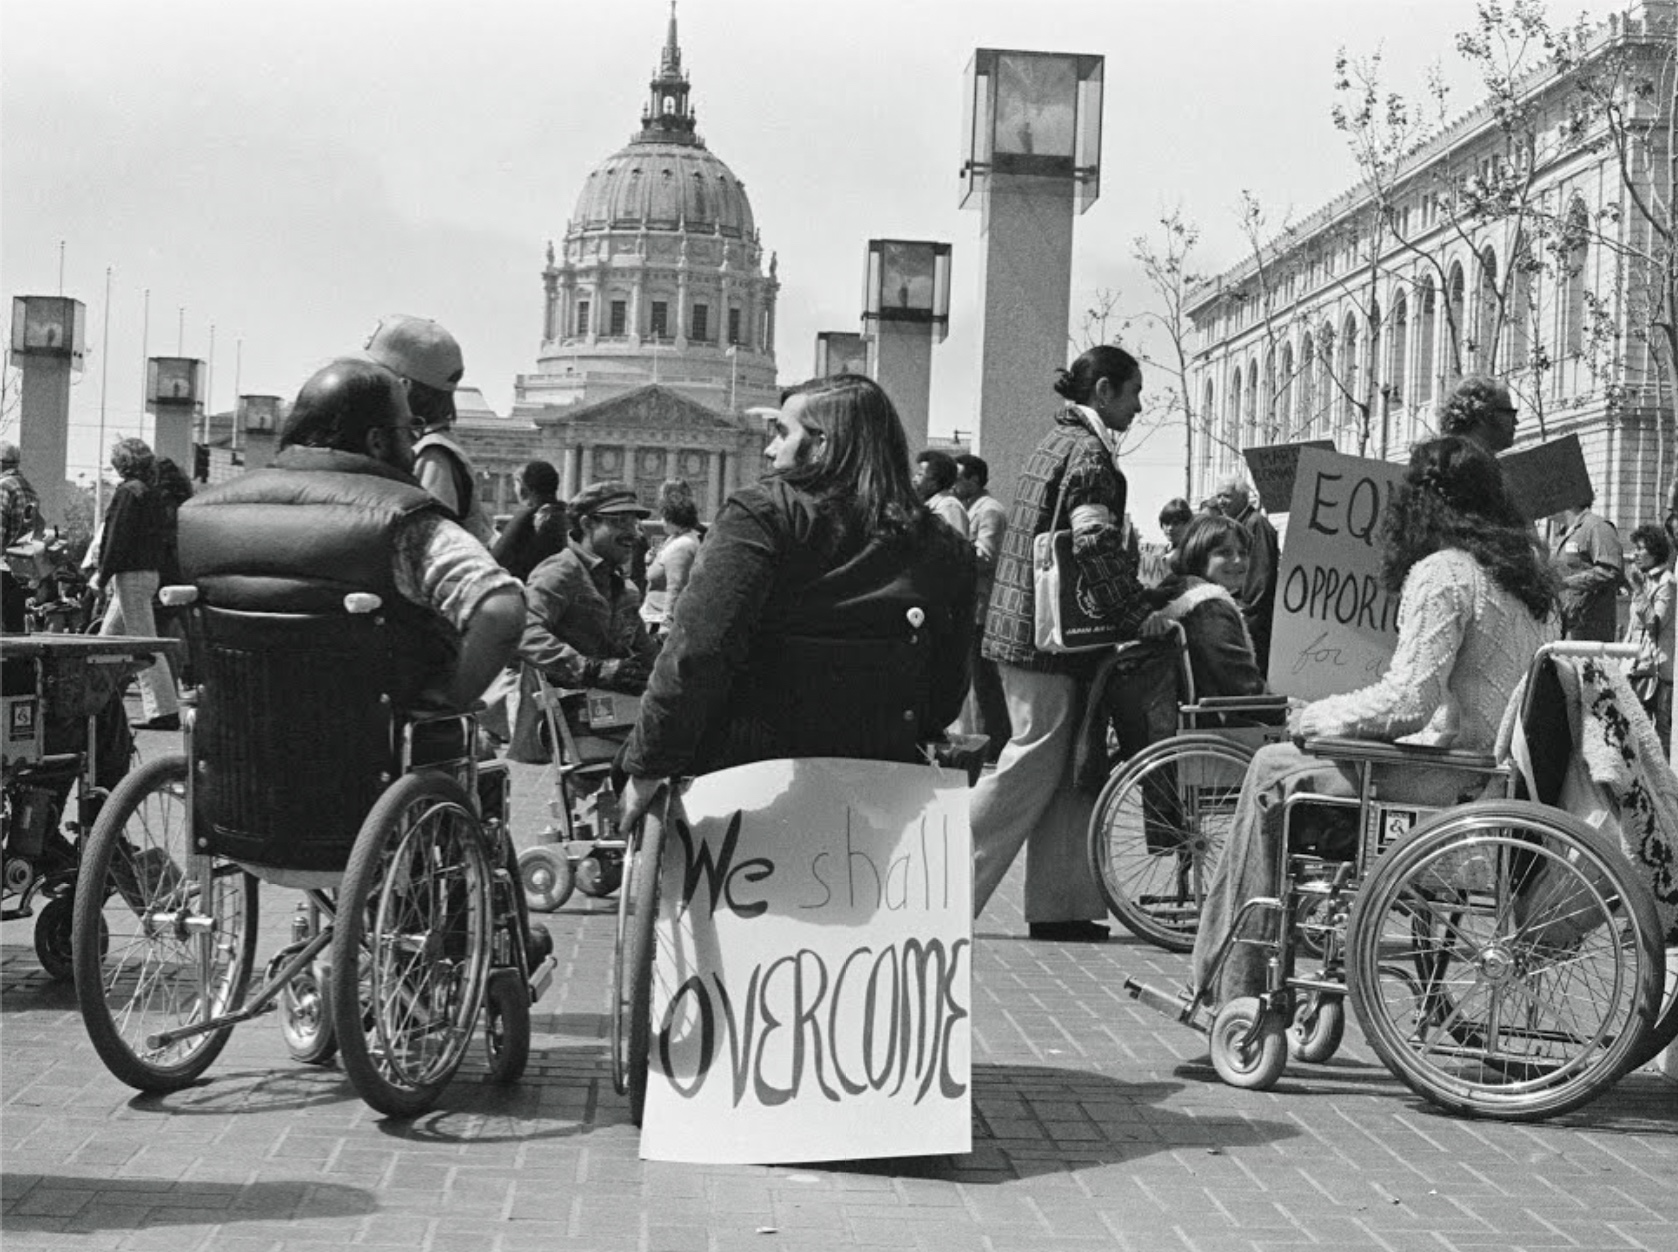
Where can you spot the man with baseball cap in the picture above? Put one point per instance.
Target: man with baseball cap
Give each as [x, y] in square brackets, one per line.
[427, 359]
[582, 624]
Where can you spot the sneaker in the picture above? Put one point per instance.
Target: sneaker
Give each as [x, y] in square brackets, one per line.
[169, 721]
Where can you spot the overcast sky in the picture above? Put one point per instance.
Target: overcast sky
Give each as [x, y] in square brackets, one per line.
[290, 170]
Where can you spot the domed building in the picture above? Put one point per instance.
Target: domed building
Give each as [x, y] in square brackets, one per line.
[659, 320]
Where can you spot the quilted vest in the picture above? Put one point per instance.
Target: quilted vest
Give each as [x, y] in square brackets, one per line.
[298, 536]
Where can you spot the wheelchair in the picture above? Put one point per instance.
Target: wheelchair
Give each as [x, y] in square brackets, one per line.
[584, 849]
[1159, 823]
[299, 773]
[1502, 956]
[66, 743]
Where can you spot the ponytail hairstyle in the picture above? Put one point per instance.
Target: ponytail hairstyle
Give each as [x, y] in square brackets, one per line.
[1105, 360]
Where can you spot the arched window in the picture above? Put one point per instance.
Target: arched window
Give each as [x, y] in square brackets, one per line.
[1427, 330]
[1573, 279]
[1454, 329]
[1250, 434]
[1232, 418]
[1284, 396]
[1522, 277]
[1486, 312]
[1349, 373]
[1398, 347]
[1307, 385]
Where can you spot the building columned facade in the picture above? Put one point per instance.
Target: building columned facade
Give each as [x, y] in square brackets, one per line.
[1518, 251]
[658, 323]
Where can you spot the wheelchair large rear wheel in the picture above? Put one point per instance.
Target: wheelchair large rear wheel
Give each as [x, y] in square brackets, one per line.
[411, 944]
[1503, 962]
[161, 938]
[632, 982]
[1158, 830]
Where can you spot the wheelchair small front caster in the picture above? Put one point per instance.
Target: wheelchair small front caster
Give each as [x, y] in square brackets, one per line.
[1318, 1026]
[1254, 1066]
[546, 877]
[600, 872]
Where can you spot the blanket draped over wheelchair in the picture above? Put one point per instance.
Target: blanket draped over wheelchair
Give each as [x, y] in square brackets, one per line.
[1620, 755]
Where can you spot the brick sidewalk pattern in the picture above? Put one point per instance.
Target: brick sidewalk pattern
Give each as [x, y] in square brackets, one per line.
[1097, 1125]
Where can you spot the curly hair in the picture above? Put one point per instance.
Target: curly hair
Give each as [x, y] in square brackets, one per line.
[1655, 541]
[1453, 496]
[133, 458]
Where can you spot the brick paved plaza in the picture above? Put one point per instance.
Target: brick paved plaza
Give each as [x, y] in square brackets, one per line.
[1097, 1124]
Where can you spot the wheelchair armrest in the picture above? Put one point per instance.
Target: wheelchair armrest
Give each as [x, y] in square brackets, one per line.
[1214, 704]
[1347, 749]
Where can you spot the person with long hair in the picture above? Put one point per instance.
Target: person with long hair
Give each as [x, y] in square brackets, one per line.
[1478, 600]
[827, 612]
[1212, 568]
[131, 555]
[1070, 481]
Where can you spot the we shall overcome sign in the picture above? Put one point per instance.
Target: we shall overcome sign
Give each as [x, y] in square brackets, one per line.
[811, 987]
[1335, 626]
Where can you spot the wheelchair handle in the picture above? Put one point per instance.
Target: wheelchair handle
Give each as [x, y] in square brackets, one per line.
[1589, 647]
[178, 596]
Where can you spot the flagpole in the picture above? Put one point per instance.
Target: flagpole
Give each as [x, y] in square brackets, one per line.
[104, 378]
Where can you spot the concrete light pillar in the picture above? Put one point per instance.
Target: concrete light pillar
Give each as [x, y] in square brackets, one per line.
[48, 338]
[906, 309]
[568, 480]
[1032, 163]
[1026, 277]
[175, 397]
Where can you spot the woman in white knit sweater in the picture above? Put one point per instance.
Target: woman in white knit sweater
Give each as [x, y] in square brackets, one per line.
[1478, 599]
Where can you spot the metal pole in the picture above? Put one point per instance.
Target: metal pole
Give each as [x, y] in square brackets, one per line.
[104, 375]
[145, 360]
[209, 391]
[60, 267]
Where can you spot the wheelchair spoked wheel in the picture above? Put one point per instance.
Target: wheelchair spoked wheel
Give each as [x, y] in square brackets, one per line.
[411, 944]
[632, 978]
[161, 938]
[1158, 830]
[1504, 963]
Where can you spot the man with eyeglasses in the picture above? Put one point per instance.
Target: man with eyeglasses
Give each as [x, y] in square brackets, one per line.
[340, 511]
[428, 361]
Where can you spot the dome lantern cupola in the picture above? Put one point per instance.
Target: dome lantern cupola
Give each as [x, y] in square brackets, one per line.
[668, 116]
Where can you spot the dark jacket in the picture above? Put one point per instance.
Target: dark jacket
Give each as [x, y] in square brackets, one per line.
[1070, 451]
[133, 533]
[795, 639]
[533, 534]
[298, 536]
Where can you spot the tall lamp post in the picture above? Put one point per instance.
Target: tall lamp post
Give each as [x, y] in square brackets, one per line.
[840, 352]
[259, 422]
[49, 338]
[906, 309]
[1033, 161]
[175, 397]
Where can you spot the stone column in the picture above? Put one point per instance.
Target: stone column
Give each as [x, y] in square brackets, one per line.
[903, 368]
[44, 431]
[1026, 277]
[173, 433]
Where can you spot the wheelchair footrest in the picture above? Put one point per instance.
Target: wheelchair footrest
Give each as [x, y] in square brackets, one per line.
[542, 977]
[1179, 1006]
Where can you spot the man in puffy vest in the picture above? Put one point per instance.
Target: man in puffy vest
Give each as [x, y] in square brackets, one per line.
[340, 511]
[428, 361]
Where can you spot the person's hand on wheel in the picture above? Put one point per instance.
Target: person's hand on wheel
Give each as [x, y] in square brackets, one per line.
[637, 799]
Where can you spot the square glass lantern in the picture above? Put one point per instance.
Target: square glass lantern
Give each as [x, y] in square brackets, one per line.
[1032, 113]
[908, 281]
[259, 415]
[840, 352]
[174, 382]
[49, 327]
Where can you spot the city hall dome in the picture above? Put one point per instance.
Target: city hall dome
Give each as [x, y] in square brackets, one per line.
[660, 182]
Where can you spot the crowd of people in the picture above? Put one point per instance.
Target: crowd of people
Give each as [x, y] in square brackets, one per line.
[864, 599]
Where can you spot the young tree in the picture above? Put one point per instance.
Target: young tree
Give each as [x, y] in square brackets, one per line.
[1169, 266]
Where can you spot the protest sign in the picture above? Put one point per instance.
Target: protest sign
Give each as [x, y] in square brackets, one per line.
[1274, 467]
[811, 988]
[1546, 479]
[1335, 626]
[1152, 569]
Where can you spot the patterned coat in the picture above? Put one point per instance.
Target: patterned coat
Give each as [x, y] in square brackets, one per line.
[1073, 452]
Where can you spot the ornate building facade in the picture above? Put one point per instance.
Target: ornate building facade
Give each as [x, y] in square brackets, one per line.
[658, 325]
[1512, 243]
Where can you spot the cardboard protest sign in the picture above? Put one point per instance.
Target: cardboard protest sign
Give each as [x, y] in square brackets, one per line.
[1548, 478]
[1274, 467]
[1335, 626]
[1152, 569]
[812, 983]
